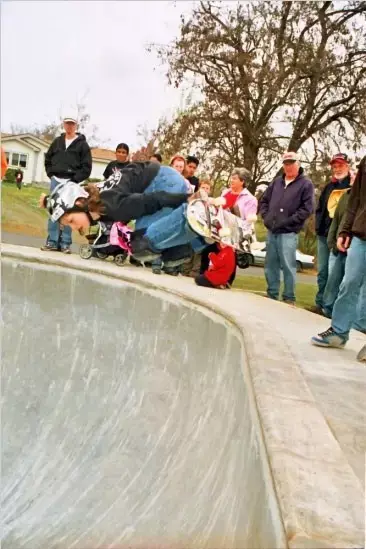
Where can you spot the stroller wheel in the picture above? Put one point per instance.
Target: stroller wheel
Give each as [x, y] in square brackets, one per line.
[101, 255]
[120, 259]
[85, 251]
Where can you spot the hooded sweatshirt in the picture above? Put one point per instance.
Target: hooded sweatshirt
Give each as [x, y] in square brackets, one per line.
[123, 198]
[285, 208]
[327, 204]
[355, 215]
[73, 163]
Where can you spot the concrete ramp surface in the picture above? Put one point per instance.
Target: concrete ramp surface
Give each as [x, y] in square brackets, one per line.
[143, 412]
[125, 421]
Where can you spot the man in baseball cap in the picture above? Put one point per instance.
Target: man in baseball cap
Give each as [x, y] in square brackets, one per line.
[328, 200]
[67, 159]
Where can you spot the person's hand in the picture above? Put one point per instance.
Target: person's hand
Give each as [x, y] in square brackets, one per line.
[219, 201]
[343, 243]
[41, 203]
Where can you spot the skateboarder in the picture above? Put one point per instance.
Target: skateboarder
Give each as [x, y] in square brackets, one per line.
[352, 239]
[123, 198]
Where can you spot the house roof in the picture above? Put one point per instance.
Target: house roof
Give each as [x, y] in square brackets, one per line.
[103, 154]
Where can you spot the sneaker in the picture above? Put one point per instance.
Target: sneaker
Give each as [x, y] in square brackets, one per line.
[49, 248]
[66, 250]
[156, 271]
[362, 354]
[289, 302]
[329, 338]
[315, 309]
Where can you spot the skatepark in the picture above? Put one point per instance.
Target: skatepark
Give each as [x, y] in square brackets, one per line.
[146, 412]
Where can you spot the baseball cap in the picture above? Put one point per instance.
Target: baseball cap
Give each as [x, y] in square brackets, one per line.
[70, 119]
[290, 156]
[340, 157]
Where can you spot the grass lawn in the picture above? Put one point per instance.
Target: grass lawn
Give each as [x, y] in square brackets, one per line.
[21, 214]
[305, 293]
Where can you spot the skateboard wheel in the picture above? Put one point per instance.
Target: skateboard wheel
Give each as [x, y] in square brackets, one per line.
[225, 231]
[120, 259]
[101, 255]
[85, 251]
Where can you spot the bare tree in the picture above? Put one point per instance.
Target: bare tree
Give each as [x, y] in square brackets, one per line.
[270, 75]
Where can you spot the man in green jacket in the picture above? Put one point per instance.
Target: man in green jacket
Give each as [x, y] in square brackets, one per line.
[351, 240]
[337, 266]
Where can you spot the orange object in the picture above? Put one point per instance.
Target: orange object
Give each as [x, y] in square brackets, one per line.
[4, 164]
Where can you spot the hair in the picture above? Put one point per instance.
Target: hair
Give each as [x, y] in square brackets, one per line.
[177, 157]
[192, 160]
[93, 202]
[205, 182]
[123, 147]
[242, 173]
[157, 156]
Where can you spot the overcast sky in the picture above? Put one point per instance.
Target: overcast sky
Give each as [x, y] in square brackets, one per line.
[53, 53]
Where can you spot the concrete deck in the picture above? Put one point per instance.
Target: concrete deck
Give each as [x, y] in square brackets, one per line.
[219, 426]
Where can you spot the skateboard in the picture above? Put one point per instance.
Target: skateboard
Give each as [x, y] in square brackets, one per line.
[362, 354]
[215, 224]
[111, 240]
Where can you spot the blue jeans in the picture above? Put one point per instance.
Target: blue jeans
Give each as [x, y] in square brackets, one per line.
[173, 230]
[337, 265]
[281, 254]
[323, 262]
[352, 293]
[168, 180]
[57, 237]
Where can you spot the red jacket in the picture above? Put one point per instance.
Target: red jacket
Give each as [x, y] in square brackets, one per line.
[223, 265]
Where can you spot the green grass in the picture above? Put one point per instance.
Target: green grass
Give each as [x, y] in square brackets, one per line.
[305, 293]
[20, 212]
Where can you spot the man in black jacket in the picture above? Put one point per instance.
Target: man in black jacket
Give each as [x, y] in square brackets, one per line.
[324, 213]
[68, 158]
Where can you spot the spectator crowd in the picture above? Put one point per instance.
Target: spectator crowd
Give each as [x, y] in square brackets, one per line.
[285, 204]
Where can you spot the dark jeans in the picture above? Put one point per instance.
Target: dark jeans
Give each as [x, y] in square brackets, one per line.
[201, 280]
[323, 262]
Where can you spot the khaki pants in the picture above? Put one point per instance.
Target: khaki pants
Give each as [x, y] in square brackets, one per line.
[192, 267]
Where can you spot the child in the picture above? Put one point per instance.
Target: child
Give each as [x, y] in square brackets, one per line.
[220, 270]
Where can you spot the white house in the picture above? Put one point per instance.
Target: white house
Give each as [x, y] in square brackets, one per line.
[27, 152]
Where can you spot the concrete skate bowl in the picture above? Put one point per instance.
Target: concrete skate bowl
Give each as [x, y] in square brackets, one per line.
[129, 419]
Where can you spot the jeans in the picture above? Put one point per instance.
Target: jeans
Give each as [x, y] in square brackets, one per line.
[337, 265]
[281, 254]
[173, 230]
[323, 262]
[168, 180]
[352, 292]
[57, 237]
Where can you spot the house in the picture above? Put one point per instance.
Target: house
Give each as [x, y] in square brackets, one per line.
[27, 152]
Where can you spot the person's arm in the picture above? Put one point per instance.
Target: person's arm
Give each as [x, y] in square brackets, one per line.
[307, 206]
[108, 171]
[124, 208]
[48, 159]
[353, 202]
[216, 259]
[265, 200]
[85, 165]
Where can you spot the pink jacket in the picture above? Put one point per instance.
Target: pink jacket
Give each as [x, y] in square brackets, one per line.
[247, 203]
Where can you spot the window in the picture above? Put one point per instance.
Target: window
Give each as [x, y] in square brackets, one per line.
[17, 159]
[7, 157]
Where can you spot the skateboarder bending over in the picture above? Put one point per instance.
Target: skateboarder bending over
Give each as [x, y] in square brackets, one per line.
[123, 198]
[220, 270]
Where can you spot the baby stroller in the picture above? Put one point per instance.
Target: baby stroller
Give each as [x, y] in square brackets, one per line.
[111, 240]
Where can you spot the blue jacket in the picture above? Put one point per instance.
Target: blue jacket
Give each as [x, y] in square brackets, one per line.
[285, 209]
